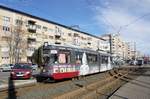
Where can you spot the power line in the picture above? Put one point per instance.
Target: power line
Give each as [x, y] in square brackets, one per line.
[110, 24]
[134, 21]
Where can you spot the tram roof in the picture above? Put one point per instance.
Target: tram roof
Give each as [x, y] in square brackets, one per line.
[61, 47]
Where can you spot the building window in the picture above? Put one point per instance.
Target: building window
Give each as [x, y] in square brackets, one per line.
[89, 39]
[6, 28]
[89, 43]
[31, 41]
[76, 35]
[51, 30]
[19, 22]
[5, 57]
[31, 49]
[6, 19]
[69, 34]
[38, 27]
[50, 37]
[45, 28]
[58, 30]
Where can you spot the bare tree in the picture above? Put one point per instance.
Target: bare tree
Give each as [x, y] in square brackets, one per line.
[9, 40]
[16, 43]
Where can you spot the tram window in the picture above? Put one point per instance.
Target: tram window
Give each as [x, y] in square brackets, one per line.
[64, 57]
[61, 58]
[78, 57]
[104, 59]
[54, 58]
[92, 59]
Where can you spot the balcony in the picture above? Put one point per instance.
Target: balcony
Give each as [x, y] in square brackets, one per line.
[32, 36]
[33, 44]
[58, 42]
[31, 26]
[31, 30]
[57, 36]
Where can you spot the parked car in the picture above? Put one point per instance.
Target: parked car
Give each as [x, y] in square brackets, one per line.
[133, 62]
[34, 66]
[21, 71]
[140, 62]
[11, 65]
[5, 67]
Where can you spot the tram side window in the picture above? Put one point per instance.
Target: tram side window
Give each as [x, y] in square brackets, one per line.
[64, 58]
[61, 58]
[92, 59]
[104, 59]
[78, 57]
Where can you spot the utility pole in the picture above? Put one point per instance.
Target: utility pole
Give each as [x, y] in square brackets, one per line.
[135, 50]
[110, 42]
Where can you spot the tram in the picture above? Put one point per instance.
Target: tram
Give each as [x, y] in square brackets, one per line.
[67, 62]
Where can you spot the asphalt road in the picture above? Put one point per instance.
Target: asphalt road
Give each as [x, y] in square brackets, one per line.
[4, 77]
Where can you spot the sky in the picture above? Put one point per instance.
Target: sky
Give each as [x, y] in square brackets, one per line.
[129, 18]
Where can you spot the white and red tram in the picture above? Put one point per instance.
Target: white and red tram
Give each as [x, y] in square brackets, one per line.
[68, 62]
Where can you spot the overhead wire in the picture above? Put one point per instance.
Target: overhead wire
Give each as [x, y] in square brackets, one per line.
[134, 21]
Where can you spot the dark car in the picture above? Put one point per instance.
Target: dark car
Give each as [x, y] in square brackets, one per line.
[21, 71]
[140, 62]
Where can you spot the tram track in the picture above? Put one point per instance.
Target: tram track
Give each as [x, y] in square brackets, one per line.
[89, 87]
[101, 89]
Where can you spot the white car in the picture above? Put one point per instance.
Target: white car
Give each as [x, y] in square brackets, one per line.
[34, 66]
[5, 67]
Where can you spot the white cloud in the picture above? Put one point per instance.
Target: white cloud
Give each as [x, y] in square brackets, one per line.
[119, 13]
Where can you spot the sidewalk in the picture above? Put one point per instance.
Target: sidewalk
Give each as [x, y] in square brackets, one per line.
[17, 83]
[136, 89]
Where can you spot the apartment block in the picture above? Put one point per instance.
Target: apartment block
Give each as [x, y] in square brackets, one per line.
[119, 48]
[28, 32]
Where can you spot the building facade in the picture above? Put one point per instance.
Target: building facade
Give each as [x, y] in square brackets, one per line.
[24, 33]
[119, 48]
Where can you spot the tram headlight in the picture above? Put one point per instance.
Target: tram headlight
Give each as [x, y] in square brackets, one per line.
[56, 70]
